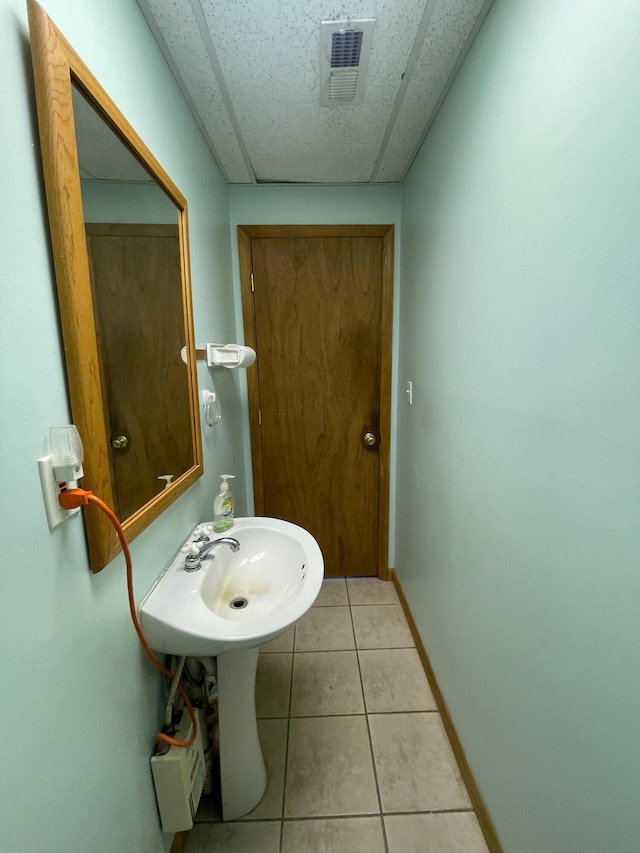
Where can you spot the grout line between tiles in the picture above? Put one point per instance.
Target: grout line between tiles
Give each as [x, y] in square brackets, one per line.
[350, 816]
[323, 651]
[289, 652]
[352, 649]
[397, 713]
[412, 711]
[367, 814]
[429, 811]
[337, 816]
[324, 716]
[373, 759]
[286, 749]
[351, 714]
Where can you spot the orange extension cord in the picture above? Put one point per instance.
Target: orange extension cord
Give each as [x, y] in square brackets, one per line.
[73, 498]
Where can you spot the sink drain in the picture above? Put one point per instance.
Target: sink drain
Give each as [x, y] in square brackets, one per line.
[238, 603]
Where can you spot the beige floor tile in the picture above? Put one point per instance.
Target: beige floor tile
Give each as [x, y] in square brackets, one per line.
[325, 629]
[329, 768]
[336, 835]
[282, 643]
[381, 626]
[332, 594]
[371, 591]
[273, 683]
[394, 680]
[415, 764]
[273, 740]
[258, 837]
[326, 683]
[435, 833]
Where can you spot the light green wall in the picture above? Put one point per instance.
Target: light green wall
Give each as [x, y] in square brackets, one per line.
[518, 542]
[314, 205]
[79, 702]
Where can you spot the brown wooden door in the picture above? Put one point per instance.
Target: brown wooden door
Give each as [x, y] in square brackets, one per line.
[135, 277]
[319, 308]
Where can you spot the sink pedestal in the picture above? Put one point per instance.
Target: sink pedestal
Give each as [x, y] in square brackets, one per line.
[243, 777]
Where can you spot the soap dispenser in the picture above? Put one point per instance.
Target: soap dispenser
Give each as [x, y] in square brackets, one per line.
[223, 506]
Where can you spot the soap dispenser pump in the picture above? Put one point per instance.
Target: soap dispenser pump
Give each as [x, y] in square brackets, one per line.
[223, 506]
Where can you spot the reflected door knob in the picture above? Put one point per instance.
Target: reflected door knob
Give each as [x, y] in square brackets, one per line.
[369, 439]
[120, 442]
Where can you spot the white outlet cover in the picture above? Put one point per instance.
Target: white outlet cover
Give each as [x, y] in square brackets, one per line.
[50, 491]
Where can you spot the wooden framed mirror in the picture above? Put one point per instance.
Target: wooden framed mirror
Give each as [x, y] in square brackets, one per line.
[124, 293]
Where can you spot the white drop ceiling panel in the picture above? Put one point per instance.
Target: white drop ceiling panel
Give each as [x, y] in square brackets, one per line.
[275, 89]
[176, 29]
[451, 25]
[250, 70]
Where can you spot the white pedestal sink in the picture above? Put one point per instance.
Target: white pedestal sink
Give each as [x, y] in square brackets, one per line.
[228, 608]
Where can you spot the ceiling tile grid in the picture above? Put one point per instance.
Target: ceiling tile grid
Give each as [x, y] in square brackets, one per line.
[179, 29]
[447, 39]
[251, 72]
[271, 65]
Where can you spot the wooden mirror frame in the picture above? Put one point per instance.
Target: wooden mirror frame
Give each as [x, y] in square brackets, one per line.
[56, 66]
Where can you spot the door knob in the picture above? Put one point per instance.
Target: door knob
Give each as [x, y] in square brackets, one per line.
[369, 439]
[120, 442]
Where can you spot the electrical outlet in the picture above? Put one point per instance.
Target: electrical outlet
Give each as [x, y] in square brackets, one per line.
[50, 491]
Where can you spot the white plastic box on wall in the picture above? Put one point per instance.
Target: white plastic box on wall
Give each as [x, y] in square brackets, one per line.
[178, 777]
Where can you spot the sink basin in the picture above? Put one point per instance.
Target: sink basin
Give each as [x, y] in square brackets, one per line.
[226, 609]
[235, 600]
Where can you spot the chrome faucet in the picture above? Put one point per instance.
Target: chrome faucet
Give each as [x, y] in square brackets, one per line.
[192, 562]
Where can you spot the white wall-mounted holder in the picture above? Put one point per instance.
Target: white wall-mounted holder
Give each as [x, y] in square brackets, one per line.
[60, 470]
[230, 355]
[211, 408]
[223, 355]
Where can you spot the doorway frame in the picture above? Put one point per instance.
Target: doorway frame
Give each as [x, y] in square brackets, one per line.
[247, 233]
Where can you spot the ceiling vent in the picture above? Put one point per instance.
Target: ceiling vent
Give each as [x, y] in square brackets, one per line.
[344, 56]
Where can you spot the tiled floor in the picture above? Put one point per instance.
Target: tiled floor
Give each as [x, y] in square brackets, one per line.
[357, 758]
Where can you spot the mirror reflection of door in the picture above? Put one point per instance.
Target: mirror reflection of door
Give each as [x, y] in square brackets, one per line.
[134, 269]
[135, 264]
